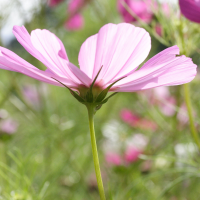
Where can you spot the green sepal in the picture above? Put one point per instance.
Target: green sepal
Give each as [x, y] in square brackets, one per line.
[80, 99]
[98, 107]
[105, 100]
[93, 82]
[89, 95]
[103, 93]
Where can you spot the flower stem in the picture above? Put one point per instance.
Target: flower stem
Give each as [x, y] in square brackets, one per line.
[95, 152]
[187, 91]
[189, 108]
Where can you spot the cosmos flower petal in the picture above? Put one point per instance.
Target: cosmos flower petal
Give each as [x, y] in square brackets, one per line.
[190, 9]
[50, 47]
[86, 55]
[46, 47]
[118, 48]
[12, 57]
[164, 69]
[10, 61]
[80, 75]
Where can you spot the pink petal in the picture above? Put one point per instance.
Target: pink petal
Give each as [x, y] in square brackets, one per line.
[164, 69]
[44, 46]
[80, 75]
[10, 61]
[119, 48]
[47, 48]
[190, 9]
[12, 57]
[87, 54]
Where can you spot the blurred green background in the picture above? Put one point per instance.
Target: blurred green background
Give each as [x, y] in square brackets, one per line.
[48, 153]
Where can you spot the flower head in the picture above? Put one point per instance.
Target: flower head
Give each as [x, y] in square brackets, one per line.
[190, 9]
[75, 20]
[74, 23]
[108, 62]
[139, 8]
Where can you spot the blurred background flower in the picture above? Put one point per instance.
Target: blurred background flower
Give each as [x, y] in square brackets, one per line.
[141, 9]
[190, 9]
[53, 3]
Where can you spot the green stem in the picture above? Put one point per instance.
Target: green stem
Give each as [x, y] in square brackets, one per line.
[189, 109]
[187, 92]
[95, 152]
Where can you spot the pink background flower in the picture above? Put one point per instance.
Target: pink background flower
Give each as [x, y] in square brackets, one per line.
[75, 6]
[53, 3]
[75, 23]
[140, 8]
[190, 9]
[113, 158]
[131, 154]
[137, 121]
[9, 126]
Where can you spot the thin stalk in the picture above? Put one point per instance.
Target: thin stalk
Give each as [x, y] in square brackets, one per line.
[190, 115]
[187, 93]
[95, 152]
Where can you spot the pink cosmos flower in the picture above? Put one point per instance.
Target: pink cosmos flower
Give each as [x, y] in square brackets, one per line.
[53, 3]
[134, 147]
[158, 29]
[164, 100]
[108, 62]
[140, 8]
[113, 158]
[190, 9]
[128, 117]
[132, 154]
[75, 20]
[168, 107]
[75, 6]
[136, 121]
[9, 126]
[31, 95]
[74, 23]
